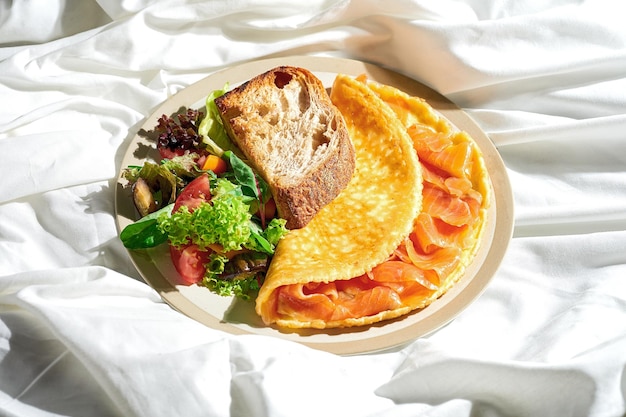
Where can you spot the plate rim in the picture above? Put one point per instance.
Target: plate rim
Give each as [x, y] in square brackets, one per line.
[501, 227]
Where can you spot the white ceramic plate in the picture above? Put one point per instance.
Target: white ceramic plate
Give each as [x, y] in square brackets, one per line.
[238, 317]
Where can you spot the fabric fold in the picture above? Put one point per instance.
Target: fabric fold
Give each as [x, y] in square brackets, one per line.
[566, 388]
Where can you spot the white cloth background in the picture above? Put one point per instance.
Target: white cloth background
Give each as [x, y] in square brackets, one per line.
[82, 335]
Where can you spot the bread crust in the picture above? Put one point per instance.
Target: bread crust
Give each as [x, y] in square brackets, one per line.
[290, 132]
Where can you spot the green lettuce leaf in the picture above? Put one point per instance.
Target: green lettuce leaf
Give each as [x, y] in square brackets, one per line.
[211, 128]
[223, 220]
[240, 288]
[266, 240]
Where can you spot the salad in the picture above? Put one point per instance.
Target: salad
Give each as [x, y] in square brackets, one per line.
[206, 203]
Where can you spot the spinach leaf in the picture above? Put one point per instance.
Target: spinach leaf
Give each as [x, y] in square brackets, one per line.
[145, 232]
[245, 176]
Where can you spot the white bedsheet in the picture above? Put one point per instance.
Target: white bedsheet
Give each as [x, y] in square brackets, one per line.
[82, 335]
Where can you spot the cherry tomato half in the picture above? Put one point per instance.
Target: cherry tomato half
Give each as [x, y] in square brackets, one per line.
[189, 261]
[195, 193]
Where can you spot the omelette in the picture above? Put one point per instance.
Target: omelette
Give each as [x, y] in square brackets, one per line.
[399, 235]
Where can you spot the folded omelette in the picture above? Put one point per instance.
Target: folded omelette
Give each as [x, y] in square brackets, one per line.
[399, 235]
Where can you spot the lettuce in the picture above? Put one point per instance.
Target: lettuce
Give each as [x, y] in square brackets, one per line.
[275, 231]
[211, 129]
[183, 166]
[240, 288]
[224, 220]
[225, 287]
[266, 240]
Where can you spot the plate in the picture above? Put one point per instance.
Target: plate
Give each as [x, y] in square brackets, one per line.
[238, 317]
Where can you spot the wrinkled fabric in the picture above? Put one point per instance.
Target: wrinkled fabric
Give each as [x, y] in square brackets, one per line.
[82, 334]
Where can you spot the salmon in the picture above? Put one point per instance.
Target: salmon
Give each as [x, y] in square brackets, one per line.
[358, 297]
[447, 207]
[441, 261]
[293, 301]
[367, 303]
[425, 138]
[454, 159]
[430, 234]
[456, 186]
[462, 187]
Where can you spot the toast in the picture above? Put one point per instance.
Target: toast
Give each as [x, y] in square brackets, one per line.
[286, 126]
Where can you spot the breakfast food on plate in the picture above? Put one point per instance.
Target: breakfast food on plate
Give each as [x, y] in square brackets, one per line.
[290, 132]
[380, 202]
[399, 235]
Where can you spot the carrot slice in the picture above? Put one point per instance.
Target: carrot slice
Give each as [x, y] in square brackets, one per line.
[215, 163]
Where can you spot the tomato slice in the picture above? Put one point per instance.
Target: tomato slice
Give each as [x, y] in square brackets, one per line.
[189, 261]
[195, 193]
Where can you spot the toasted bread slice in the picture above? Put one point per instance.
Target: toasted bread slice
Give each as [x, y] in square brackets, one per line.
[285, 124]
